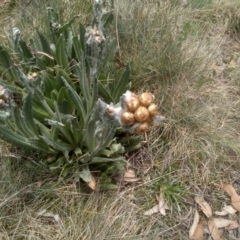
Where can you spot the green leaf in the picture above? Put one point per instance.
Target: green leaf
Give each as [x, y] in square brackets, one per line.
[117, 148]
[105, 160]
[63, 147]
[76, 132]
[21, 124]
[40, 145]
[51, 83]
[46, 49]
[57, 164]
[26, 51]
[62, 73]
[77, 101]
[61, 55]
[85, 174]
[82, 32]
[107, 19]
[12, 137]
[66, 26]
[104, 93]
[122, 85]
[7, 63]
[69, 44]
[131, 143]
[64, 102]
[39, 111]
[11, 86]
[28, 116]
[44, 43]
[45, 131]
[77, 48]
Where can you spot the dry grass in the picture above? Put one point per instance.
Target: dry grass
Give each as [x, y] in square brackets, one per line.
[188, 54]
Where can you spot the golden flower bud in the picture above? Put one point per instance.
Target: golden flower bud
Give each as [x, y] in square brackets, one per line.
[146, 99]
[1, 89]
[1, 102]
[132, 104]
[127, 118]
[153, 109]
[141, 114]
[142, 128]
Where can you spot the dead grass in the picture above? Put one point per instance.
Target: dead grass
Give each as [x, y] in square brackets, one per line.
[188, 55]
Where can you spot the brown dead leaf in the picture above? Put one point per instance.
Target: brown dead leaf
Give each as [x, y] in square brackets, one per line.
[214, 230]
[130, 176]
[194, 224]
[161, 204]
[161, 207]
[198, 234]
[205, 207]
[235, 198]
[232, 226]
[49, 215]
[226, 210]
[154, 209]
[130, 173]
[230, 190]
[221, 222]
[92, 184]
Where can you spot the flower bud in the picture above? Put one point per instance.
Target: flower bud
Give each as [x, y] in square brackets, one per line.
[146, 99]
[142, 128]
[127, 118]
[132, 104]
[153, 109]
[141, 114]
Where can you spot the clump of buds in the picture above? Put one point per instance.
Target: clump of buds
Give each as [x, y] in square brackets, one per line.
[140, 111]
[5, 96]
[97, 35]
[135, 113]
[32, 75]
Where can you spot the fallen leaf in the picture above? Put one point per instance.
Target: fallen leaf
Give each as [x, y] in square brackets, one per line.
[233, 225]
[161, 207]
[221, 222]
[161, 204]
[130, 173]
[131, 179]
[155, 209]
[205, 207]
[226, 210]
[92, 184]
[130, 176]
[198, 234]
[214, 229]
[235, 198]
[194, 224]
[46, 214]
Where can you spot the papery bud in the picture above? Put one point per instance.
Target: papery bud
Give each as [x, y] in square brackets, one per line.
[141, 114]
[142, 128]
[132, 104]
[146, 99]
[34, 75]
[127, 118]
[153, 109]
